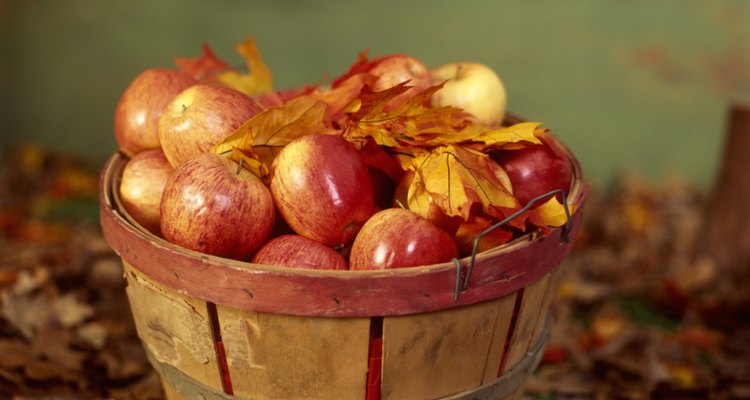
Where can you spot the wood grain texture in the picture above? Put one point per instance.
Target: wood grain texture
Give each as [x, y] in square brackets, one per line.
[272, 356]
[505, 307]
[530, 314]
[174, 327]
[439, 353]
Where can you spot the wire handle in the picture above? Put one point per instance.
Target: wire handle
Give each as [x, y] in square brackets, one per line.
[565, 236]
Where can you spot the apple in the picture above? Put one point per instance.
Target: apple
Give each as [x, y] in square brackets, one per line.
[474, 87]
[142, 185]
[201, 116]
[142, 103]
[322, 188]
[299, 252]
[397, 238]
[535, 170]
[212, 205]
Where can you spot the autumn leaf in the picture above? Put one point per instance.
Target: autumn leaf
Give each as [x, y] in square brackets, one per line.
[469, 230]
[552, 212]
[484, 138]
[257, 80]
[400, 126]
[344, 98]
[202, 67]
[456, 178]
[264, 135]
[360, 66]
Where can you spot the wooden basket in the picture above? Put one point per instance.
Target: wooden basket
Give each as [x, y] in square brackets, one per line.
[221, 329]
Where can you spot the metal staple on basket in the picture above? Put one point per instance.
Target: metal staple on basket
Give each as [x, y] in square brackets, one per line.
[457, 262]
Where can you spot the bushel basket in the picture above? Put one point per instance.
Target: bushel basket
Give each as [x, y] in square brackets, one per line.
[216, 328]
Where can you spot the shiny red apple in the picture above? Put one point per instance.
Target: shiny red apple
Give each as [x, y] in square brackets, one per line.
[201, 116]
[299, 252]
[535, 170]
[397, 238]
[142, 185]
[142, 103]
[213, 206]
[322, 188]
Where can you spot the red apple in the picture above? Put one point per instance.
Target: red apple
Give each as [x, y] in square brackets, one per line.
[213, 206]
[299, 252]
[201, 116]
[143, 180]
[474, 87]
[142, 103]
[322, 188]
[397, 238]
[535, 170]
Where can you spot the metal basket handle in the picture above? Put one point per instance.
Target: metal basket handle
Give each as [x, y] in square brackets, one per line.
[566, 230]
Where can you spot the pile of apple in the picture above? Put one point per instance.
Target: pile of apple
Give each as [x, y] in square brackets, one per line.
[320, 204]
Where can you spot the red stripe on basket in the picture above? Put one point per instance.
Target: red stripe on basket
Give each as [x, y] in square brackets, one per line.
[511, 330]
[375, 359]
[213, 319]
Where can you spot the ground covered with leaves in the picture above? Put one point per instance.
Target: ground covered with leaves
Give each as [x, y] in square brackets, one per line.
[635, 316]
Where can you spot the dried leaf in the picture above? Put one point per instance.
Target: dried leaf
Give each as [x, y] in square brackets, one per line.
[258, 140]
[70, 311]
[553, 213]
[470, 230]
[257, 81]
[456, 179]
[202, 67]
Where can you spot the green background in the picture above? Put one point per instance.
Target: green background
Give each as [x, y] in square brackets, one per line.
[628, 85]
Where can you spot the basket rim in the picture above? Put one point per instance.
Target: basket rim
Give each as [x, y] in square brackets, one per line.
[244, 285]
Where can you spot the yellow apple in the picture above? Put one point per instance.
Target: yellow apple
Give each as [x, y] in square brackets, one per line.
[474, 87]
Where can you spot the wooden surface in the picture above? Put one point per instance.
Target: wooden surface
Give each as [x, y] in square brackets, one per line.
[175, 328]
[272, 356]
[440, 353]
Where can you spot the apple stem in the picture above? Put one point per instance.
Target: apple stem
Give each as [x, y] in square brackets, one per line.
[239, 166]
[400, 204]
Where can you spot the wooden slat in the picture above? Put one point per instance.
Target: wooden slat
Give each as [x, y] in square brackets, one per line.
[500, 334]
[436, 354]
[529, 315]
[549, 295]
[274, 356]
[175, 328]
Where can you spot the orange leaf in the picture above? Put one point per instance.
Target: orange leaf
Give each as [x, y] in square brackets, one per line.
[257, 81]
[469, 230]
[552, 212]
[456, 178]
[206, 65]
[263, 136]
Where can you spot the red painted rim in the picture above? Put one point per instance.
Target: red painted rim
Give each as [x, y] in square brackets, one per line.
[281, 290]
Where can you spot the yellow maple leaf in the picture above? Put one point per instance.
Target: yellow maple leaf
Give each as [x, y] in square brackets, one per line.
[257, 80]
[264, 135]
[456, 178]
[553, 213]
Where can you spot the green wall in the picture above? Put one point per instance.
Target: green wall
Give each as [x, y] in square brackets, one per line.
[641, 85]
